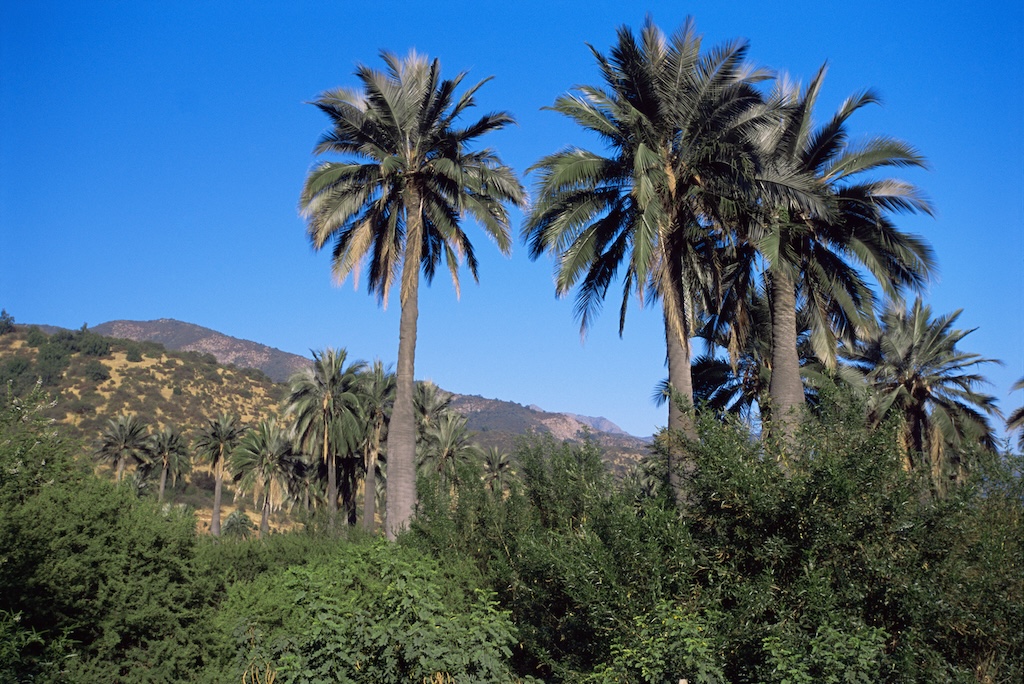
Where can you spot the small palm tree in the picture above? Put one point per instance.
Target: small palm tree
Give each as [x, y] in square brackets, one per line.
[170, 451]
[497, 469]
[916, 372]
[430, 405]
[445, 445]
[124, 440]
[261, 464]
[396, 203]
[214, 446]
[324, 402]
[238, 525]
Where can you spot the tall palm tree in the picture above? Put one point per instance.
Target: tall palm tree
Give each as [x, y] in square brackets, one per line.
[813, 257]
[170, 450]
[679, 125]
[124, 439]
[398, 201]
[377, 398]
[214, 445]
[261, 464]
[915, 371]
[324, 403]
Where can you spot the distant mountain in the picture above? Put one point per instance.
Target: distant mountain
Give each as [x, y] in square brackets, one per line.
[500, 423]
[179, 336]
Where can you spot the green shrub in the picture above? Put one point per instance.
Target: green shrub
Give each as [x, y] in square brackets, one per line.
[35, 337]
[369, 613]
[6, 322]
[95, 371]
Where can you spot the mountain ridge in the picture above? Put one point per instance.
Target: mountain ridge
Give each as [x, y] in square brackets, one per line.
[279, 365]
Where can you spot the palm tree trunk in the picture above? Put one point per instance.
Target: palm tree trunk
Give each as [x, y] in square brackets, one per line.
[370, 483]
[120, 469]
[348, 489]
[401, 484]
[265, 518]
[680, 405]
[217, 490]
[332, 476]
[786, 388]
[332, 490]
[163, 482]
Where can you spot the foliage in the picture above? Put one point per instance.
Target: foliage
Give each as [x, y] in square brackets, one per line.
[368, 613]
[667, 644]
[6, 322]
[101, 578]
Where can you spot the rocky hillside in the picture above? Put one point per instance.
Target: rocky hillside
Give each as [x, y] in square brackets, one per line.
[500, 423]
[180, 336]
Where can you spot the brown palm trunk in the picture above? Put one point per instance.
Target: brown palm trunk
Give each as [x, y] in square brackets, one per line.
[401, 488]
[370, 483]
[332, 490]
[786, 388]
[120, 469]
[265, 518]
[680, 378]
[163, 482]
[217, 490]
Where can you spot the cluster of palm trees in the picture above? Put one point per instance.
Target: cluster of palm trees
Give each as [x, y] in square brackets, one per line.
[715, 197]
[332, 435]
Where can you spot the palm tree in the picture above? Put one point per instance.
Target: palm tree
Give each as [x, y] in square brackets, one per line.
[399, 200]
[916, 372]
[261, 464]
[1016, 420]
[214, 446]
[430, 405]
[170, 450]
[377, 398]
[445, 445]
[812, 257]
[497, 469]
[324, 401]
[124, 440]
[679, 126]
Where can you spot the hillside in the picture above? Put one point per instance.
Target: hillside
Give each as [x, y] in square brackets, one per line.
[95, 378]
[172, 373]
[500, 423]
[179, 336]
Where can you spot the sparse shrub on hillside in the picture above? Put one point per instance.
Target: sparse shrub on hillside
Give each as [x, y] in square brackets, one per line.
[133, 354]
[95, 371]
[6, 322]
[35, 337]
[16, 373]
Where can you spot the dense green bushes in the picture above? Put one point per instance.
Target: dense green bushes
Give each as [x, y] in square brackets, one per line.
[832, 566]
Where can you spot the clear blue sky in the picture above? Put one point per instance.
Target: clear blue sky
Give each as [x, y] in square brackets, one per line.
[151, 157]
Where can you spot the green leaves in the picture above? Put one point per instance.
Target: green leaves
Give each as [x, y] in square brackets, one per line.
[374, 613]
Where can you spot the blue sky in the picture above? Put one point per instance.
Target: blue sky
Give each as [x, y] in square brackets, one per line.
[151, 157]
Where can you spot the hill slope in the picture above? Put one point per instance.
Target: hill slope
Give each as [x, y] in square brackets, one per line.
[179, 382]
[181, 336]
